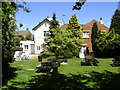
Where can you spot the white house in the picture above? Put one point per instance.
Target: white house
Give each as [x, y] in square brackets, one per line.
[41, 31]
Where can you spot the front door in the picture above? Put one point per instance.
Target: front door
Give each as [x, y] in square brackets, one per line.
[32, 48]
[83, 52]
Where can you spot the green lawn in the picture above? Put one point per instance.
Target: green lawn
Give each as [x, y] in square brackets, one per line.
[71, 75]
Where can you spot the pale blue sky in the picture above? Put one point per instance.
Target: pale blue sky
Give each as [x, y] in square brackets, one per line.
[90, 11]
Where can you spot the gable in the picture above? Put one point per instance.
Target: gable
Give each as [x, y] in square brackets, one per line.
[41, 23]
[89, 26]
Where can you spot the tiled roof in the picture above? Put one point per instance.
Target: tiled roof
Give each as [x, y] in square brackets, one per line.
[89, 26]
[64, 26]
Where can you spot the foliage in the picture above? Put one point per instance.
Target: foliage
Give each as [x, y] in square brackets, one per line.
[107, 44]
[115, 22]
[28, 37]
[8, 12]
[54, 23]
[74, 26]
[17, 40]
[94, 32]
[100, 41]
[46, 54]
[64, 43]
[78, 5]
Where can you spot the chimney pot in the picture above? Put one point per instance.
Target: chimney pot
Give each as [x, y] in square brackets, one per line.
[101, 20]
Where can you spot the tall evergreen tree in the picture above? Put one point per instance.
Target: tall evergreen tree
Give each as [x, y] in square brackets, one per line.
[74, 26]
[115, 22]
[94, 36]
[54, 23]
[94, 32]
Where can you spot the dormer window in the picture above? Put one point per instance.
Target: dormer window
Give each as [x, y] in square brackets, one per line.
[86, 34]
[46, 33]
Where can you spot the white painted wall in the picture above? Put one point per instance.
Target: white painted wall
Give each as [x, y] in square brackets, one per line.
[39, 35]
[23, 43]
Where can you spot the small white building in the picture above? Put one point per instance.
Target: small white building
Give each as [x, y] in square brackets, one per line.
[28, 46]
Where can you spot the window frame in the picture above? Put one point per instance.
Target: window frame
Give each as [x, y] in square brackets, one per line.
[86, 34]
[26, 47]
[46, 33]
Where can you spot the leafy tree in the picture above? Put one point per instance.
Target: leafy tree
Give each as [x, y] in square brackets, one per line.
[8, 12]
[28, 37]
[78, 5]
[115, 22]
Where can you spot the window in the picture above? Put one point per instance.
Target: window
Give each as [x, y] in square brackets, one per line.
[86, 34]
[38, 47]
[45, 24]
[26, 46]
[46, 33]
[21, 44]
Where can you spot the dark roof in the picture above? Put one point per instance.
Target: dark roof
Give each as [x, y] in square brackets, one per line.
[39, 24]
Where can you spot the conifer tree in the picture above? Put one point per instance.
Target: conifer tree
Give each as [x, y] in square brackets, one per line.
[94, 32]
[54, 23]
[74, 26]
[94, 36]
[115, 22]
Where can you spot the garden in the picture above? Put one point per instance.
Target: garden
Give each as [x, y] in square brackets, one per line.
[22, 74]
[62, 42]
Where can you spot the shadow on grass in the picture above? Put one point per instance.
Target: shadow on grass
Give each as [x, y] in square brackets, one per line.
[8, 73]
[91, 81]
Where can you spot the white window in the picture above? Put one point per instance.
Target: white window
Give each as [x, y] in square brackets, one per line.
[38, 47]
[46, 33]
[86, 34]
[26, 46]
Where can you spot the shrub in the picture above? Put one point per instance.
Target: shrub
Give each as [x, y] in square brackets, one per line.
[46, 54]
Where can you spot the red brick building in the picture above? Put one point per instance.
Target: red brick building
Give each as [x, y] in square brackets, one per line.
[87, 31]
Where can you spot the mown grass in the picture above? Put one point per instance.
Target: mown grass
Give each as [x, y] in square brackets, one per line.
[70, 75]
